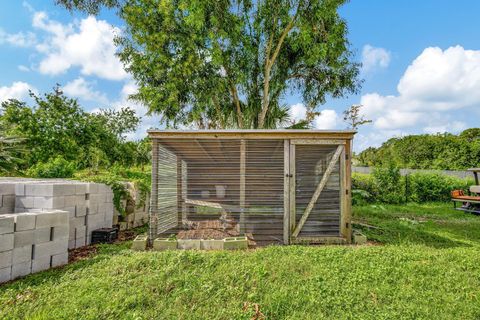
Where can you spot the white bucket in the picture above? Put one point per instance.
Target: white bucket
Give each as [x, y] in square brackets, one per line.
[221, 189]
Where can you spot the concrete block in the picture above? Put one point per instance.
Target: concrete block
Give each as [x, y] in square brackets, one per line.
[52, 218]
[80, 242]
[49, 202]
[92, 208]
[21, 269]
[81, 199]
[161, 244]
[24, 221]
[59, 259]
[80, 232]
[68, 189]
[6, 210]
[123, 225]
[6, 259]
[60, 232]
[80, 188]
[71, 244]
[70, 200]
[109, 197]
[20, 189]
[22, 254]
[8, 201]
[71, 211]
[140, 243]
[24, 202]
[51, 248]
[42, 235]
[95, 219]
[7, 224]
[235, 243]
[101, 208]
[5, 274]
[189, 244]
[359, 238]
[109, 209]
[92, 187]
[77, 222]
[7, 188]
[39, 189]
[6, 242]
[108, 221]
[211, 244]
[23, 238]
[80, 210]
[41, 263]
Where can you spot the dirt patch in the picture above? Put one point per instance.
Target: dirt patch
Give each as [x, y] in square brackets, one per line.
[82, 253]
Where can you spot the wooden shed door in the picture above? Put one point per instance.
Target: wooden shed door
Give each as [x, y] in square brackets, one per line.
[316, 186]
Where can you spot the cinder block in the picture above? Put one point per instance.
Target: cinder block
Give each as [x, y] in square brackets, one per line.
[80, 210]
[49, 202]
[39, 189]
[359, 238]
[188, 244]
[52, 218]
[211, 244]
[60, 232]
[68, 189]
[20, 189]
[7, 224]
[6, 259]
[24, 221]
[42, 235]
[92, 187]
[59, 259]
[41, 263]
[22, 254]
[80, 188]
[101, 208]
[80, 242]
[109, 197]
[5, 274]
[162, 244]
[23, 238]
[24, 202]
[6, 242]
[71, 244]
[81, 200]
[7, 188]
[140, 243]
[235, 243]
[95, 219]
[80, 231]
[8, 201]
[21, 269]
[71, 211]
[108, 221]
[70, 200]
[109, 208]
[92, 208]
[50, 248]
[77, 222]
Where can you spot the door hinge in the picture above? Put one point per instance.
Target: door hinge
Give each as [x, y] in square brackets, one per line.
[346, 191]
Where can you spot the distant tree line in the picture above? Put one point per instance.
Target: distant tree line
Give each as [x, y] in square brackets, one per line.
[439, 151]
[54, 137]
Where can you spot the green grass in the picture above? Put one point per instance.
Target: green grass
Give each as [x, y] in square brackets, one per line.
[427, 268]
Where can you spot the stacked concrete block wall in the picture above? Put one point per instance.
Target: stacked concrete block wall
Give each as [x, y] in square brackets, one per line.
[136, 209]
[32, 241]
[90, 205]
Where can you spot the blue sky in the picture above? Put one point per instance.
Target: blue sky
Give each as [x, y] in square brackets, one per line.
[421, 64]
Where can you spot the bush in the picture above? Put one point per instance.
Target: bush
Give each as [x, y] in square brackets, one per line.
[54, 168]
[424, 187]
[364, 188]
[390, 184]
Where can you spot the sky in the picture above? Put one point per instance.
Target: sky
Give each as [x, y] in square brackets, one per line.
[421, 64]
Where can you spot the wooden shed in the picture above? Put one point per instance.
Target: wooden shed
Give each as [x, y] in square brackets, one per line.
[274, 186]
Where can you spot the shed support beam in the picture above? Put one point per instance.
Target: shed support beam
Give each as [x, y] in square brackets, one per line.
[242, 184]
[318, 190]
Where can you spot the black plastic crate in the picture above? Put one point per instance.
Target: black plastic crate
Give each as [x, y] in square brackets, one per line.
[104, 235]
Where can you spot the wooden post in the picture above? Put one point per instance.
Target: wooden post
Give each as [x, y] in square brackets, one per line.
[292, 189]
[153, 212]
[348, 191]
[242, 184]
[286, 191]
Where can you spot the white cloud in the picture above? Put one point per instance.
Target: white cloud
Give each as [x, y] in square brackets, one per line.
[80, 88]
[20, 39]
[373, 58]
[18, 90]
[87, 44]
[437, 81]
[328, 118]
[23, 68]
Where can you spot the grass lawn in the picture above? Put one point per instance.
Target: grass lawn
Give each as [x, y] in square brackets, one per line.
[426, 265]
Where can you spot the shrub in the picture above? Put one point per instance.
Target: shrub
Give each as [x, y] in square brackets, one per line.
[54, 168]
[364, 188]
[390, 184]
[423, 187]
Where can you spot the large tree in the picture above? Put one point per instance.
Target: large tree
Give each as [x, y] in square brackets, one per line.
[227, 63]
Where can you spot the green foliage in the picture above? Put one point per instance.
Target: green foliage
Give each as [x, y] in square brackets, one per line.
[11, 151]
[54, 168]
[89, 6]
[424, 187]
[57, 126]
[219, 64]
[116, 177]
[440, 151]
[430, 254]
[389, 184]
[386, 185]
